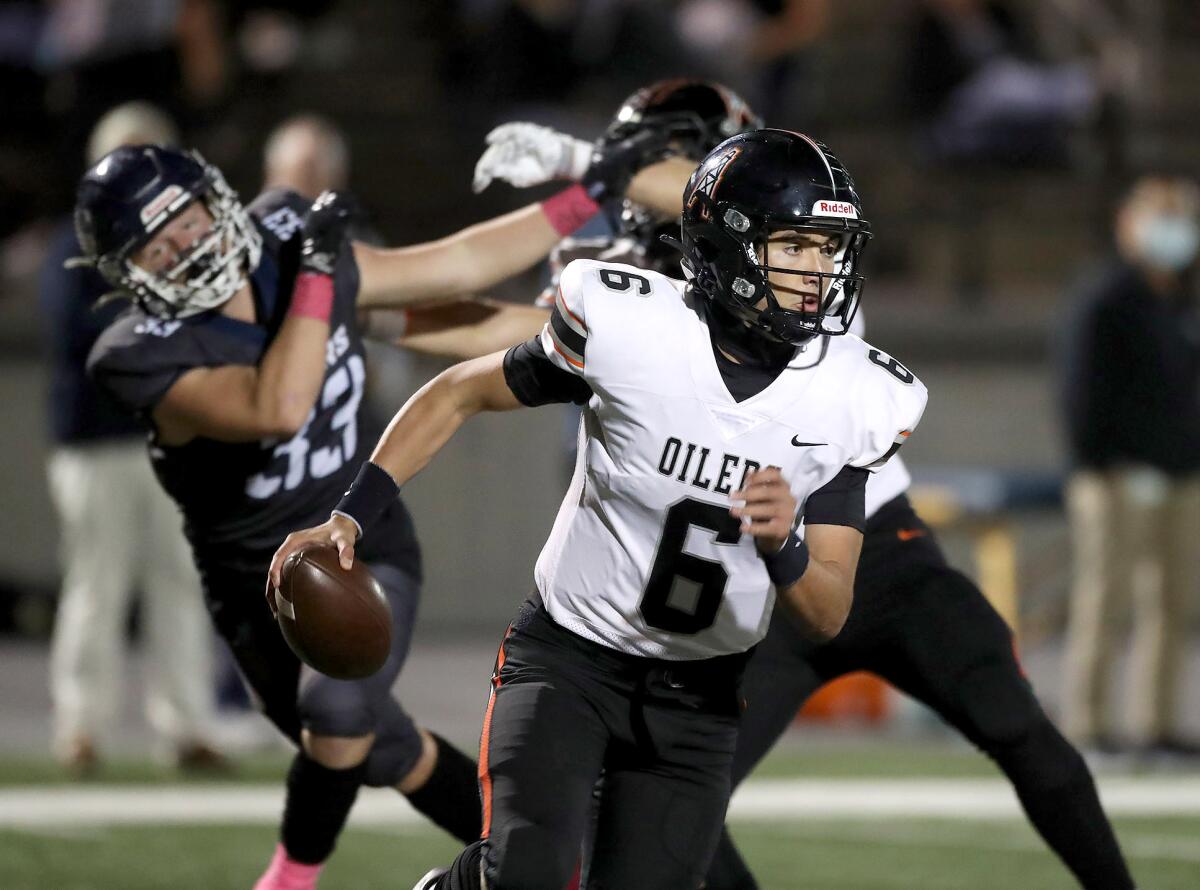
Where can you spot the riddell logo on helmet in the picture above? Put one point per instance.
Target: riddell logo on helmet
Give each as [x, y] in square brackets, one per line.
[166, 200]
[834, 208]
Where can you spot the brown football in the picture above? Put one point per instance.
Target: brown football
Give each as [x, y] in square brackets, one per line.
[337, 621]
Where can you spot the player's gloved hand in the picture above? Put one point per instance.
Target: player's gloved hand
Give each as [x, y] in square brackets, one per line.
[324, 233]
[524, 155]
[614, 163]
[768, 509]
[340, 531]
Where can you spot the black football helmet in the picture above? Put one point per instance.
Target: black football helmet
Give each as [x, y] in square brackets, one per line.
[130, 194]
[746, 188]
[697, 115]
[694, 116]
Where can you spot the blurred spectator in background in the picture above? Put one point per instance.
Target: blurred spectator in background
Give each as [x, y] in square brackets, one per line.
[173, 49]
[308, 155]
[24, 167]
[1132, 409]
[118, 528]
[981, 95]
[97, 54]
[762, 48]
[555, 61]
[517, 50]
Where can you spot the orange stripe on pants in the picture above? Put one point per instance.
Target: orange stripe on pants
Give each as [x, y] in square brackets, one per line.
[485, 777]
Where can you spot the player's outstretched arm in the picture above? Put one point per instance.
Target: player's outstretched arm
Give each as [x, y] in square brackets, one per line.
[814, 577]
[470, 260]
[460, 330]
[483, 255]
[415, 435]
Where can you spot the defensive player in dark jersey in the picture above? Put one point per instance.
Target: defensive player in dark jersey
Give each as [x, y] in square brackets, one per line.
[915, 621]
[243, 355]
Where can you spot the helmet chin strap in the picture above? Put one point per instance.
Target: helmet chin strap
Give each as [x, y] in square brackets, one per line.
[736, 338]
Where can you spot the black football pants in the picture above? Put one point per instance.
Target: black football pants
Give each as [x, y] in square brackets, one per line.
[562, 710]
[929, 631]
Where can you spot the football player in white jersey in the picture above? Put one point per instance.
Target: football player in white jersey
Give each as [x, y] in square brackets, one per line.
[721, 412]
[916, 621]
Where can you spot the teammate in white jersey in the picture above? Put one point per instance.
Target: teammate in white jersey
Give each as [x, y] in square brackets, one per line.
[719, 414]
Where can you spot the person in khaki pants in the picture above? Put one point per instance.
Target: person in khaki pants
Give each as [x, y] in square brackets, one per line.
[118, 529]
[1132, 400]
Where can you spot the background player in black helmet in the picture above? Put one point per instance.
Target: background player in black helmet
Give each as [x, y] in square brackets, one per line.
[656, 582]
[916, 621]
[243, 355]
[680, 120]
[688, 119]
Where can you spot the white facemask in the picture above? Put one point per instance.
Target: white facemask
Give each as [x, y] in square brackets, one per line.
[1169, 241]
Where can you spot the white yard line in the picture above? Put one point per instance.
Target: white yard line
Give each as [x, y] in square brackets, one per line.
[949, 798]
[1011, 835]
[794, 800]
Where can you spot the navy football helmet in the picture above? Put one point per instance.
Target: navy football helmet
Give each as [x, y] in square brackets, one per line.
[752, 185]
[130, 194]
[694, 116]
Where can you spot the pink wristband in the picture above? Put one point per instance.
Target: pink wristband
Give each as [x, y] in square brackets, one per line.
[569, 209]
[312, 297]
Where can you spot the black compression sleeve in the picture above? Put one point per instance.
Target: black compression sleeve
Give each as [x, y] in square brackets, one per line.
[840, 501]
[536, 380]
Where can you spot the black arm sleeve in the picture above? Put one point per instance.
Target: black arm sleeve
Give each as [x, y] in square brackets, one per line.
[840, 501]
[535, 380]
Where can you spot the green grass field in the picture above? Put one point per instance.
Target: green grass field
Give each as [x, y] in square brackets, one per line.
[841, 854]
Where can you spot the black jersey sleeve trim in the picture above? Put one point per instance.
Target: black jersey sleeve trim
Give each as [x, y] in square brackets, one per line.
[535, 380]
[569, 338]
[879, 462]
[840, 501]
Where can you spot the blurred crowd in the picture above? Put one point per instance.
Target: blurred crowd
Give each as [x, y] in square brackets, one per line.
[993, 82]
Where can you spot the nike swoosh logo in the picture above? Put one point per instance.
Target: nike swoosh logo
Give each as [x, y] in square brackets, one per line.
[907, 534]
[796, 441]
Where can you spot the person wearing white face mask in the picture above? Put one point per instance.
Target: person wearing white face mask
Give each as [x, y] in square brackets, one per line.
[1131, 375]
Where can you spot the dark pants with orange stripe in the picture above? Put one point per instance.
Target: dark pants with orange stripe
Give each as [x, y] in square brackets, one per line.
[928, 630]
[564, 709]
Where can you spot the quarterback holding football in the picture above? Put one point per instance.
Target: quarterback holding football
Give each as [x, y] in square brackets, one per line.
[721, 413]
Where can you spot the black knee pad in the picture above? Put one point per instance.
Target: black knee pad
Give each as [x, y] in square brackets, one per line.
[397, 747]
[337, 707]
